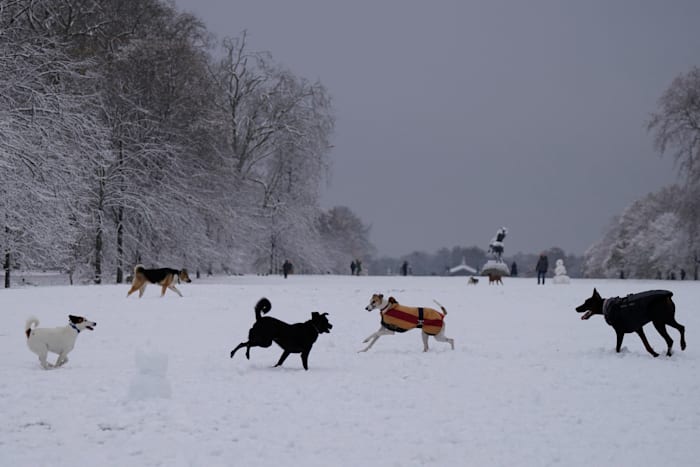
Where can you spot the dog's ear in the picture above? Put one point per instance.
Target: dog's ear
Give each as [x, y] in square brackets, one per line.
[392, 300]
[324, 314]
[76, 319]
[595, 292]
[380, 296]
[314, 314]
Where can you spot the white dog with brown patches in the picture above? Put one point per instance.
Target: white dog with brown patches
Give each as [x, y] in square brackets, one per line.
[60, 340]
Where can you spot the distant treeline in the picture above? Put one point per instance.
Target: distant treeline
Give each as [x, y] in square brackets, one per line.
[439, 263]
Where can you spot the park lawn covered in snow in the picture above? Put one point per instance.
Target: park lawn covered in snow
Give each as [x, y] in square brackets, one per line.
[528, 384]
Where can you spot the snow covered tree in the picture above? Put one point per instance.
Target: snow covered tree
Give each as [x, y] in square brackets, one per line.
[47, 124]
[645, 241]
[153, 177]
[345, 238]
[123, 140]
[277, 130]
[676, 128]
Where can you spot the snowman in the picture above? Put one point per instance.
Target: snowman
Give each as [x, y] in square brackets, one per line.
[560, 276]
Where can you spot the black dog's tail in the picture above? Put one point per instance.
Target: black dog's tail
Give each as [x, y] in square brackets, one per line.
[262, 307]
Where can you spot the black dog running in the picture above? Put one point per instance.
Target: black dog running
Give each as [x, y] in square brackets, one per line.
[293, 338]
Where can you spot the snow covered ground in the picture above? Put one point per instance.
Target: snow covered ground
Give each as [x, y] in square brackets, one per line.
[528, 384]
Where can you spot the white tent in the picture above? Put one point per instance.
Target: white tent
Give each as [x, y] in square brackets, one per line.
[462, 269]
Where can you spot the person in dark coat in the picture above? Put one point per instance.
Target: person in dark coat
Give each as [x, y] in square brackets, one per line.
[353, 266]
[541, 268]
[513, 269]
[404, 268]
[287, 268]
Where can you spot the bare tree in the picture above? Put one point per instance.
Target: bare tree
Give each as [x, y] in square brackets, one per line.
[277, 129]
[676, 124]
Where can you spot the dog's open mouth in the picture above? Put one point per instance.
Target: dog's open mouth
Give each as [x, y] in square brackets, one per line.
[587, 315]
[90, 328]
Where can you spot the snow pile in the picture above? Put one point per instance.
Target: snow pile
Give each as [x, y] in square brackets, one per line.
[493, 267]
[151, 381]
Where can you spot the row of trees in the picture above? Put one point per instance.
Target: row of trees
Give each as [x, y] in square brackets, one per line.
[659, 235]
[128, 135]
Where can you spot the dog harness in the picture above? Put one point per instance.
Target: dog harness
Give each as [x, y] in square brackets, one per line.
[630, 313]
[399, 318]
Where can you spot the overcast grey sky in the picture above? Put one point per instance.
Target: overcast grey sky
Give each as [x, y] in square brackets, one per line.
[457, 117]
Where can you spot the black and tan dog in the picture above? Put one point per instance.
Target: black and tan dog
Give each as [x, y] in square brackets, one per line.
[165, 277]
[293, 338]
[631, 313]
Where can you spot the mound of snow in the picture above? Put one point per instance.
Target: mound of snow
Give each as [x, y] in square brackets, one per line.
[151, 380]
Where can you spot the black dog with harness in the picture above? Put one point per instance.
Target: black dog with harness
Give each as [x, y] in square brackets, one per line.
[631, 313]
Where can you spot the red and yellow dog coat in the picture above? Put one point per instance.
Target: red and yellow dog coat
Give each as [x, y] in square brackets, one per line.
[400, 318]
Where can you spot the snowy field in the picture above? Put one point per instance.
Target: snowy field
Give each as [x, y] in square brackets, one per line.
[528, 384]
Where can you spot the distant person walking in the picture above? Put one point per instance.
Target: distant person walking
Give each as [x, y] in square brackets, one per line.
[287, 268]
[404, 268]
[541, 268]
[514, 269]
[358, 266]
[353, 267]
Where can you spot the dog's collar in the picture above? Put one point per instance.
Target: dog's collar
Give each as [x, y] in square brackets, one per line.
[606, 306]
[388, 305]
[74, 327]
[314, 326]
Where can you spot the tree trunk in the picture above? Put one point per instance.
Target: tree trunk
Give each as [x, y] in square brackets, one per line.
[98, 256]
[120, 245]
[6, 267]
[98, 235]
[6, 264]
[272, 254]
[120, 221]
